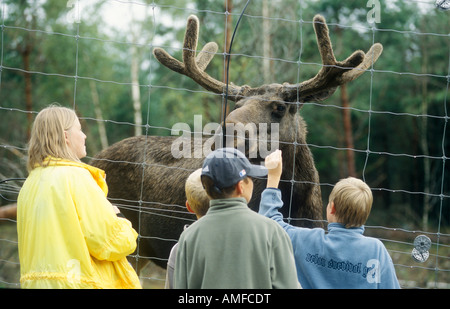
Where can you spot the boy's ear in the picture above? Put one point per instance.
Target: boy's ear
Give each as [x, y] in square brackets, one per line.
[332, 208]
[189, 207]
[240, 187]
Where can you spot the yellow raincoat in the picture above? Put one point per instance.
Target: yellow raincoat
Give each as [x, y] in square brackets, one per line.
[69, 235]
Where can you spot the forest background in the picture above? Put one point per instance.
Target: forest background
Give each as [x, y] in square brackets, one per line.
[388, 127]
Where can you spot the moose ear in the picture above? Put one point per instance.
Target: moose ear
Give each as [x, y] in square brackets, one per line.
[319, 96]
[292, 93]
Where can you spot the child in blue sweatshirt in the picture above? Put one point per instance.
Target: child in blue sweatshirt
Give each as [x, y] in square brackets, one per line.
[342, 257]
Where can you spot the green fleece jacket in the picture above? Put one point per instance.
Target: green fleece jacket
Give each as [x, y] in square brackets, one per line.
[233, 247]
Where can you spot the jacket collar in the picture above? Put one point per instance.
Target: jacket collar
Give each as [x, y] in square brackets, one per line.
[98, 174]
[340, 227]
[222, 204]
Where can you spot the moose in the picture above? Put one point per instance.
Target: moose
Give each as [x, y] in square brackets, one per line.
[147, 182]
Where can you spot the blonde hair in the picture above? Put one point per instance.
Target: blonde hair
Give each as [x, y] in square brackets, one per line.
[196, 196]
[352, 200]
[48, 137]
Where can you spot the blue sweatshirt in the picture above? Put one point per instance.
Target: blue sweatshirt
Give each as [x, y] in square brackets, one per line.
[343, 258]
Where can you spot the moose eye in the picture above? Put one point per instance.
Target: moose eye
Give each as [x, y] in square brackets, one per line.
[281, 108]
[278, 111]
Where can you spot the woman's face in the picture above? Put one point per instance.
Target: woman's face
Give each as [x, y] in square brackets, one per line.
[75, 139]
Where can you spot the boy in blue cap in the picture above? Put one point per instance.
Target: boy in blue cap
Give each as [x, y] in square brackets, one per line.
[233, 246]
[343, 258]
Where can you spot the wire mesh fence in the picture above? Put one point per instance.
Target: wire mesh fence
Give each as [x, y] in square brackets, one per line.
[410, 178]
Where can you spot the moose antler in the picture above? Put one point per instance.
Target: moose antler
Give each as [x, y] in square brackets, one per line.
[193, 66]
[332, 74]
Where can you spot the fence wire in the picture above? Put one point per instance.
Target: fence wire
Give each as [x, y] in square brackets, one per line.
[399, 241]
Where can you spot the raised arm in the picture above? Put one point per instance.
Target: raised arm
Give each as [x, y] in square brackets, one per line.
[274, 165]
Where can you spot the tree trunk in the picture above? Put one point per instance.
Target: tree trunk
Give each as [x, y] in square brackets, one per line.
[8, 211]
[99, 115]
[348, 134]
[228, 36]
[424, 139]
[135, 90]
[267, 72]
[28, 88]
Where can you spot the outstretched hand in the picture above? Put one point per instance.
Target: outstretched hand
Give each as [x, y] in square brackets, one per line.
[274, 165]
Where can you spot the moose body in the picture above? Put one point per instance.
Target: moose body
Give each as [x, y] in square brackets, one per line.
[147, 181]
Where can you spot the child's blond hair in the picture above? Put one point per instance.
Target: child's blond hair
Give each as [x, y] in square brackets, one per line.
[195, 194]
[48, 137]
[352, 200]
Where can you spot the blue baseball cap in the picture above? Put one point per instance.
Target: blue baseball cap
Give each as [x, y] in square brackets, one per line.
[227, 166]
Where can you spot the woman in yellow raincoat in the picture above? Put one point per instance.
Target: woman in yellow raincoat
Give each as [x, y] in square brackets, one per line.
[70, 235]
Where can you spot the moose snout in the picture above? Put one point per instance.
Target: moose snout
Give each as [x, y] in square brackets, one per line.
[244, 137]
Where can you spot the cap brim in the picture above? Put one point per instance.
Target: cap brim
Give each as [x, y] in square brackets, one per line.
[257, 171]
